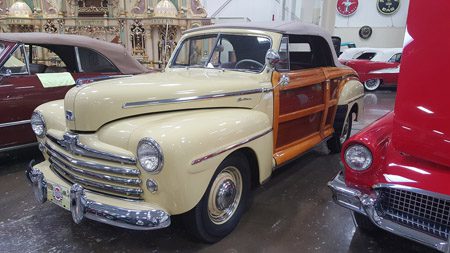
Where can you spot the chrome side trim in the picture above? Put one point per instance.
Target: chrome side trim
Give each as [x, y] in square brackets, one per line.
[91, 165]
[194, 98]
[72, 144]
[15, 123]
[233, 146]
[355, 200]
[113, 215]
[132, 192]
[114, 179]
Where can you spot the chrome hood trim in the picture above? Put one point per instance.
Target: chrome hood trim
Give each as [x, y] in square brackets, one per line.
[194, 98]
[94, 105]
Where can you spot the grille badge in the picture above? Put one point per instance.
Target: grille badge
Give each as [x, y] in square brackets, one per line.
[69, 115]
[69, 142]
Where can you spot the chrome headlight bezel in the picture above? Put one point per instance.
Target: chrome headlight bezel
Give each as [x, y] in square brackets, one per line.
[157, 153]
[360, 151]
[38, 119]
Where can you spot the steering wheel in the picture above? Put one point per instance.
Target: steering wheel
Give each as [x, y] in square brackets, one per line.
[251, 63]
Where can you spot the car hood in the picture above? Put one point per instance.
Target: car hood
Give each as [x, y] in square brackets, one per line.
[88, 107]
[422, 118]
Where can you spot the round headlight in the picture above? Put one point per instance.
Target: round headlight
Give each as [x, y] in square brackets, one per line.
[358, 157]
[150, 155]
[38, 124]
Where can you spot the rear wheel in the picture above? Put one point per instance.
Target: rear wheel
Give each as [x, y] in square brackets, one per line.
[340, 135]
[372, 84]
[223, 203]
[364, 223]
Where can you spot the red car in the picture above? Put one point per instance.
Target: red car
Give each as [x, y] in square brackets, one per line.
[37, 67]
[397, 170]
[376, 66]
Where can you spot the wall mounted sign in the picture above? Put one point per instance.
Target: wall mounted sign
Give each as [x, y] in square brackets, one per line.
[347, 7]
[388, 7]
[365, 32]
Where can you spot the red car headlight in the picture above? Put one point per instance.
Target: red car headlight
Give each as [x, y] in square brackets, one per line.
[358, 157]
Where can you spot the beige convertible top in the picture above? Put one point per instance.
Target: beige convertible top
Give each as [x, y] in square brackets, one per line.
[116, 53]
[290, 27]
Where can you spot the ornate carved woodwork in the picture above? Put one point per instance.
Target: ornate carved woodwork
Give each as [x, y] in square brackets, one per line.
[138, 39]
[49, 26]
[167, 42]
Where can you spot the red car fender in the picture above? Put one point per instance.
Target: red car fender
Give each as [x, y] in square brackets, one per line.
[376, 137]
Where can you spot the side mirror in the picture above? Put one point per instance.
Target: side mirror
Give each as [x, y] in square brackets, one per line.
[272, 58]
[5, 72]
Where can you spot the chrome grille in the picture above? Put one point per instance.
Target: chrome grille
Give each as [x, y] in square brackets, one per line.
[94, 174]
[415, 210]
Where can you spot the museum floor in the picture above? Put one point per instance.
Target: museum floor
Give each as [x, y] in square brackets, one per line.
[293, 212]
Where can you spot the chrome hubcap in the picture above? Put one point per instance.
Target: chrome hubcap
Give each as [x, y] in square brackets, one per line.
[345, 130]
[225, 195]
[372, 84]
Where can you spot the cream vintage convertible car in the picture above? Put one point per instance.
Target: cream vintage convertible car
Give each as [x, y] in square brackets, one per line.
[234, 103]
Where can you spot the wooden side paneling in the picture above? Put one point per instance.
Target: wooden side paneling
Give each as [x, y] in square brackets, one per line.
[305, 109]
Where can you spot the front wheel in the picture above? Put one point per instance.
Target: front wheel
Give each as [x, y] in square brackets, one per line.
[372, 84]
[223, 203]
[339, 137]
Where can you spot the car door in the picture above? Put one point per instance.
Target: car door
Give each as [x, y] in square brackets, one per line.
[305, 99]
[19, 95]
[43, 73]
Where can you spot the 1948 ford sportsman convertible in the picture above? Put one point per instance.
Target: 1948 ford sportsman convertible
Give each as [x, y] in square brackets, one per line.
[234, 103]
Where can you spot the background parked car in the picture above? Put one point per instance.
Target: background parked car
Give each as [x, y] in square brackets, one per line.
[346, 45]
[375, 66]
[397, 171]
[39, 67]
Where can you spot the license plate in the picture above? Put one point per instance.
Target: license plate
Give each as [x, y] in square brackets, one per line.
[58, 194]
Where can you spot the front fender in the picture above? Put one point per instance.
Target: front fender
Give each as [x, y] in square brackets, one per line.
[377, 138]
[187, 136]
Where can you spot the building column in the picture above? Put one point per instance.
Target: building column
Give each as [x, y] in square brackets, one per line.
[307, 11]
[155, 40]
[148, 43]
[328, 19]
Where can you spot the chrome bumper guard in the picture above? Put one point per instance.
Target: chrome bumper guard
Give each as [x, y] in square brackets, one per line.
[81, 207]
[357, 201]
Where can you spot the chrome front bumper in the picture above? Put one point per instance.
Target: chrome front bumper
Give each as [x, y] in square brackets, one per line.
[83, 205]
[357, 201]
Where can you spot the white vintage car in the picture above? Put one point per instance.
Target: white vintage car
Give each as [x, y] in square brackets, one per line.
[234, 103]
[372, 54]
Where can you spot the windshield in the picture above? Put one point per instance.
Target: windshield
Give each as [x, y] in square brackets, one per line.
[224, 51]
